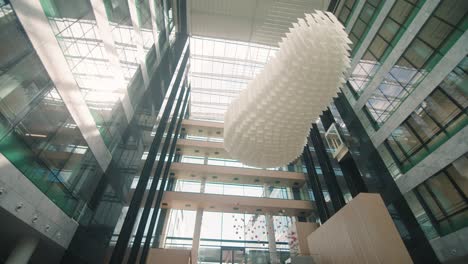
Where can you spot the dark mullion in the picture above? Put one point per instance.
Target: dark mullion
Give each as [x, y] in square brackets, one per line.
[434, 197]
[443, 129]
[157, 205]
[455, 102]
[336, 195]
[152, 191]
[406, 154]
[439, 125]
[423, 143]
[120, 248]
[455, 185]
[392, 153]
[314, 182]
[428, 211]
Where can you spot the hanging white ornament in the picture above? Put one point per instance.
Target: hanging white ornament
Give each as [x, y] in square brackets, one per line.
[268, 124]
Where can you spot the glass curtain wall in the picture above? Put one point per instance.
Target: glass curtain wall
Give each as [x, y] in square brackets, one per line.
[37, 133]
[440, 116]
[363, 23]
[443, 28]
[124, 35]
[77, 33]
[243, 231]
[393, 27]
[347, 11]
[440, 203]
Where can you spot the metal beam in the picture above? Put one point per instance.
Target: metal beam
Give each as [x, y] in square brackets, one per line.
[151, 227]
[130, 219]
[314, 182]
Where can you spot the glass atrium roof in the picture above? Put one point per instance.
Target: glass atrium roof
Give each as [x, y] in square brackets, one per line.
[219, 70]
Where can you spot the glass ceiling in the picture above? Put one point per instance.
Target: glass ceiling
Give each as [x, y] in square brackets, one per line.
[219, 70]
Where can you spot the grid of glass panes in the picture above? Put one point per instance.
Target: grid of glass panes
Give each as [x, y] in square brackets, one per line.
[441, 202]
[83, 48]
[144, 16]
[124, 36]
[441, 115]
[37, 134]
[384, 41]
[346, 11]
[219, 70]
[446, 24]
[364, 22]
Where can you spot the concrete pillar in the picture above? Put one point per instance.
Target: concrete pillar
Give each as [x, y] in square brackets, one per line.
[23, 251]
[270, 226]
[197, 229]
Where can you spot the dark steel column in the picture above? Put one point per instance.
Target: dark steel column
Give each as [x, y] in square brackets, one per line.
[379, 180]
[314, 182]
[157, 205]
[297, 196]
[327, 119]
[153, 188]
[336, 196]
[124, 237]
[352, 175]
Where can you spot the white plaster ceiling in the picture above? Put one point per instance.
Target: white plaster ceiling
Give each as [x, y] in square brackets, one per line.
[255, 21]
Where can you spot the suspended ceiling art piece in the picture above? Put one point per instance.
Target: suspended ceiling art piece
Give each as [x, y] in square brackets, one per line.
[268, 124]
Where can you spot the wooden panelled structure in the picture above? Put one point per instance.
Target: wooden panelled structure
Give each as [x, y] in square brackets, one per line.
[361, 232]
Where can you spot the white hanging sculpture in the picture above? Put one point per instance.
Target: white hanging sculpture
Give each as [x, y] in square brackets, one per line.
[268, 124]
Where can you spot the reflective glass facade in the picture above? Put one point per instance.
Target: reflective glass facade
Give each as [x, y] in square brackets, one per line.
[445, 25]
[37, 133]
[226, 231]
[346, 11]
[394, 25]
[440, 116]
[363, 23]
[440, 203]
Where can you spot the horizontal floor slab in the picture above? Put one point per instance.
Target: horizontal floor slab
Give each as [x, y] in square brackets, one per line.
[206, 148]
[202, 128]
[214, 173]
[236, 204]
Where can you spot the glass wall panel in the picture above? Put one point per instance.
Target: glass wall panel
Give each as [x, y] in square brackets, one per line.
[247, 233]
[440, 203]
[441, 115]
[364, 22]
[124, 36]
[180, 227]
[144, 17]
[443, 28]
[346, 11]
[48, 148]
[37, 133]
[23, 79]
[75, 28]
[394, 25]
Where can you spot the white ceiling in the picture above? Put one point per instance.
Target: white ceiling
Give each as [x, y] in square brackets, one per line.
[255, 21]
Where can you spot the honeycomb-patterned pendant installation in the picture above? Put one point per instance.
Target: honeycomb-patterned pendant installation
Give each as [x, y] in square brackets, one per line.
[267, 125]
